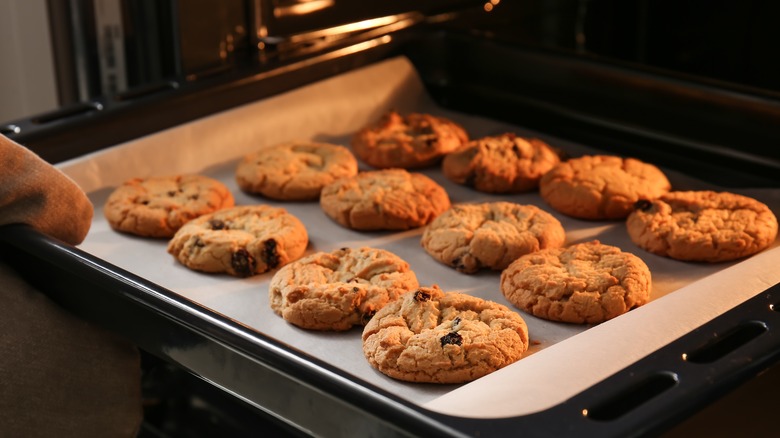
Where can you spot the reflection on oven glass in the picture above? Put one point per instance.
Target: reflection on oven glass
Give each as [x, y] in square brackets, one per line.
[284, 8]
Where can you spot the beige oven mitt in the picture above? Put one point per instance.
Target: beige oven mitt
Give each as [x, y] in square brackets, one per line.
[59, 375]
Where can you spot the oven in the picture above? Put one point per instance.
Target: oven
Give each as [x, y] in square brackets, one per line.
[204, 82]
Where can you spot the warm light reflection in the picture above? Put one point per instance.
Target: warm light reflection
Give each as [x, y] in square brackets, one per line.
[303, 8]
[350, 28]
[685, 356]
[262, 31]
[490, 5]
[584, 412]
[340, 53]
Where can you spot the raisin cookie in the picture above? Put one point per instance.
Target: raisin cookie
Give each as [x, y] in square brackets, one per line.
[294, 171]
[437, 337]
[490, 235]
[702, 226]
[241, 241]
[340, 289]
[584, 283]
[500, 164]
[391, 199]
[601, 186]
[411, 141]
[159, 206]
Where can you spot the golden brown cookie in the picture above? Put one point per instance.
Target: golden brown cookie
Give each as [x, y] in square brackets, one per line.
[702, 226]
[437, 337]
[583, 283]
[159, 206]
[411, 141]
[500, 164]
[340, 289]
[391, 199]
[294, 171]
[491, 235]
[601, 186]
[240, 241]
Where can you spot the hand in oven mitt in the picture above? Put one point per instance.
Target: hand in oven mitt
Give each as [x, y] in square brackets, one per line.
[61, 376]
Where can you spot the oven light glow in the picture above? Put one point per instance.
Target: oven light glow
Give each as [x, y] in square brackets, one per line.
[584, 412]
[685, 356]
[490, 5]
[302, 8]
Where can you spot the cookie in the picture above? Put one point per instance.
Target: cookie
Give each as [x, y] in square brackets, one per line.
[601, 186]
[294, 171]
[411, 141]
[240, 241]
[340, 289]
[702, 226]
[159, 206]
[391, 199]
[500, 164]
[437, 337]
[583, 283]
[491, 235]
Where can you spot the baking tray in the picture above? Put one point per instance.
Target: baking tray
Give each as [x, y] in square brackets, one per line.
[222, 329]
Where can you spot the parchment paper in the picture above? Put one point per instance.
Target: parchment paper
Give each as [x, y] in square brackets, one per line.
[563, 360]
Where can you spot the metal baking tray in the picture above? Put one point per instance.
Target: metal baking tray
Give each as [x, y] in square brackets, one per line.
[633, 375]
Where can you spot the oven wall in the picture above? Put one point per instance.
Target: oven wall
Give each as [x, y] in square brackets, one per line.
[27, 84]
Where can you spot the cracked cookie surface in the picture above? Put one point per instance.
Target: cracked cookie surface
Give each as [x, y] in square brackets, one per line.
[601, 186]
[703, 226]
[490, 235]
[500, 164]
[339, 289]
[294, 171]
[583, 283]
[391, 199]
[411, 141]
[443, 337]
[240, 241]
[159, 206]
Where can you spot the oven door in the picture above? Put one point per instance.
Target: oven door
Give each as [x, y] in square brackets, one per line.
[692, 127]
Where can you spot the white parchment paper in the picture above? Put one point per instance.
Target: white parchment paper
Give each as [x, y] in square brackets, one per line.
[564, 359]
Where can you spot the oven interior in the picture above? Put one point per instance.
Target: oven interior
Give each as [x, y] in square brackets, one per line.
[634, 79]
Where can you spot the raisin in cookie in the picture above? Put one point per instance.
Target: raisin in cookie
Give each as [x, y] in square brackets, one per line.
[391, 199]
[490, 235]
[294, 171]
[159, 206]
[702, 226]
[241, 241]
[437, 337]
[411, 141]
[583, 283]
[601, 186]
[500, 164]
[340, 289]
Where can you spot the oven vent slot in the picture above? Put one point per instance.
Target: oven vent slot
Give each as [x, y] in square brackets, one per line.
[71, 111]
[632, 397]
[725, 344]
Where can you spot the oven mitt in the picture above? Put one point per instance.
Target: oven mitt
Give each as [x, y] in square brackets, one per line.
[59, 375]
[33, 192]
